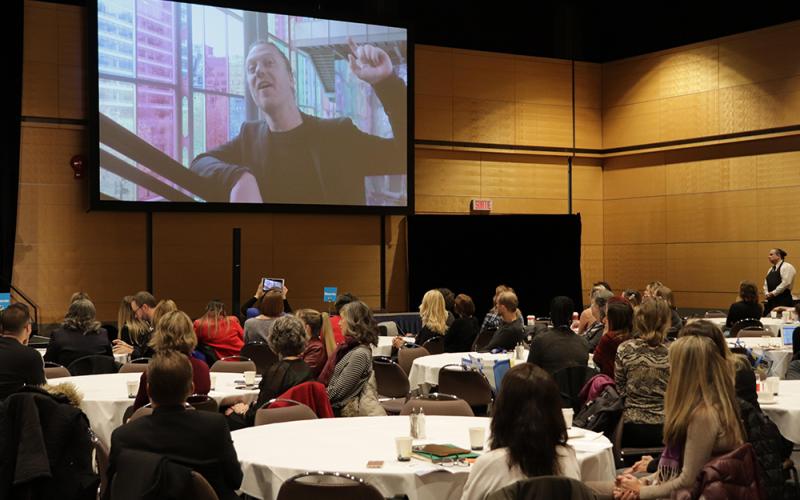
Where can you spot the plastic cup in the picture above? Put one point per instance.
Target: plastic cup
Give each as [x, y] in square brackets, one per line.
[250, 378]
[213, 378]
[403, 444]
[568, 414]
[773, 385]
[133, 388]
[477, 436]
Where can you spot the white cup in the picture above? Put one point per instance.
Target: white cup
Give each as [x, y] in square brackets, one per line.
[250, 378]
[766, 396]
[133, 388]
[213, 378]
[477, 436]
[773, 314]
[568, 413]
[773, 384]
[531, 320]
[403, 444]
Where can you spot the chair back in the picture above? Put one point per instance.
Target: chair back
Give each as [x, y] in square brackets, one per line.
[570, 382]
[57, 371]
[438, 404]
[626, 456]
[93, 364]
[435, 345]
[203, 402]
[200, 488]
[327, 485]
[134, 366]
[261, 354]
[544, 488]
[745, 323]
[483, 339]
[233, 364]
[715, 314]
[392, 381]
[406, 356]
[752, 331]
[101, 462]
[470, 385]
[391, 328]
[297, 411]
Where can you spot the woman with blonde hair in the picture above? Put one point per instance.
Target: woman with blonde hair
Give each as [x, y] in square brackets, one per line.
[134, 333]
[641, 371]
[174, 332]
[163, 307]
[218, 330]
[433, 315]
[321, 342]
[701, 419]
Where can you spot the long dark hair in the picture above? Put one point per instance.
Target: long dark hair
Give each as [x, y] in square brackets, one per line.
[528, 420]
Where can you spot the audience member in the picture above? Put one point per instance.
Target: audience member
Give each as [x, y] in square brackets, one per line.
[433, 316]
[200, 440]
[528, 435]
[676, 322]
[559, 347]
[492, 320]
[587, 317]
[20, 365]
[218, 330]
[746, 307]
[79, 335]
[599, 304]
[510, 332]
[257, 329]
[462, 333]
[320, 343]
[341, 301]
[137, 341]
[620, 326]
[449, 304]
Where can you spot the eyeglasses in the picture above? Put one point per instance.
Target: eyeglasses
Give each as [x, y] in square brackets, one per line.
[453, 462]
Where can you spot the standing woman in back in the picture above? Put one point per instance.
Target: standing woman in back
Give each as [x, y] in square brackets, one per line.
[701, 419]
[218, 330]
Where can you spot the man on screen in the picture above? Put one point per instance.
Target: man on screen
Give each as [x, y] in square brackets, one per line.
[292, 157]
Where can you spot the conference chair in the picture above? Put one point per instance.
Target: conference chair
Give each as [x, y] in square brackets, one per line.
[327, 485]
[392, 381]
[438, 404]
[625, 457]
[54, 370]
[543, 488]
[407, 354]
[483, 339]
[753, 331]
[94, 364]
[137, 365]
[470, 385]
[570, 382]
[234, 364]
[435, 345]
[745, 323]
[203, 402]
[391, 328]
[101, 462]
[297, 411]
[261, 354]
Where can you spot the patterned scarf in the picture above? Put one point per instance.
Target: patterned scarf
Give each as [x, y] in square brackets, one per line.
[670, 463]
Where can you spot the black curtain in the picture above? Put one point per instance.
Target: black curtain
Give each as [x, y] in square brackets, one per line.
[537, 255]
[10, 118]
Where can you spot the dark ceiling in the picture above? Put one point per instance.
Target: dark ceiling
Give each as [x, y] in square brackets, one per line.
[596, 31]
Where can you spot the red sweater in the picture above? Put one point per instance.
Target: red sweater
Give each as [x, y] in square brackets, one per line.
[605, 354]
[226, 338]
[200, 377]
[337, 329]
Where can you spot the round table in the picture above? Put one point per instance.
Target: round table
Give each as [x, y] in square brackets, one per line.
[119, 358]
[785, 412]
[773, 325]
[772, 349]
[425, 369]
[105, 397]
[384, 347]
[271, 454]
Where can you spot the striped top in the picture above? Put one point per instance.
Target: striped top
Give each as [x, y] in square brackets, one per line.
[350, 375]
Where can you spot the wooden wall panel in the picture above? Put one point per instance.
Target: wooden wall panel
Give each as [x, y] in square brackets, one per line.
[483, 121]
[433, 117]
[633, 266]
[635, 221]
[710, 267]
[725, 216]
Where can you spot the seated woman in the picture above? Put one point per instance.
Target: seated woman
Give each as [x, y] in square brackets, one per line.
[134, 333]
[620, 325]
[271, 307]
[174, 332]
[528, 435]
[349, 369]
[641, 371]
[676, 322]
[746, 307]
[433, 315]
[79, 335]
[287, 339]
[700, 420]
[219, 331]
[320, 339]
[461, 334]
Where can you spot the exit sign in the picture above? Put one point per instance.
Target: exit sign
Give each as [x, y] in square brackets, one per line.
[480, 205]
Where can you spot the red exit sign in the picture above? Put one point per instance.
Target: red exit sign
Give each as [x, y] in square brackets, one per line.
[479, 205]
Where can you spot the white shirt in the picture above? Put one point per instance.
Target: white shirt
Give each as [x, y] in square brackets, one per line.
[490, 472]
[787, 278]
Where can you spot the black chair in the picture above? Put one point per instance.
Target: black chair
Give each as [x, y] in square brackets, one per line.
[203, 402]
[570, 382]
[101, 454]
[544, 488]
[112, 331]
[715, 314]
[745, 323]
[260, 354]
[327, 485]
[625, 457]
[483, 339]
[94, 364]
[435, 345]
[392, 383]
[753, 331]
[468, 384]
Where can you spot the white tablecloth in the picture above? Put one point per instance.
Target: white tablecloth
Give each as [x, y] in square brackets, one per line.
[426, 368]
[785, 412]
[774, 325]
[119, 358]
[105, 397]
[271, 454]
[384, 347]
[772, 349]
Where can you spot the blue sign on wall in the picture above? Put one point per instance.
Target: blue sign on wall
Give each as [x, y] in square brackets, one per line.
[329, 294]
[5, 300]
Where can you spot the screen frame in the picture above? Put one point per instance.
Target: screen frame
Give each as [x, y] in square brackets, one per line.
[96, 203]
